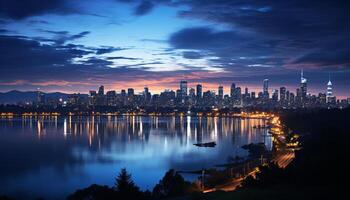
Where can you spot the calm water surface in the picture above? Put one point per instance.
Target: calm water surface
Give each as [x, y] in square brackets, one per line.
[51, 157]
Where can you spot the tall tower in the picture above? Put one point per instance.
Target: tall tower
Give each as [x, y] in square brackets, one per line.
[199, 91]
[183, 88]
[329, 95]
[266, 88]
[221, 92]
[232, 91]
[101, 90]
[303, 86]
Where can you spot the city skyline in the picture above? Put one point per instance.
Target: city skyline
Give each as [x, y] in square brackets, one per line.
[76, 46]
[226, 89]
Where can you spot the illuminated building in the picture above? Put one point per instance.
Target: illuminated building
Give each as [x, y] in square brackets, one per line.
[221, 92]
[303, 86]
[266, 89]
[199, 91]
[330, 98]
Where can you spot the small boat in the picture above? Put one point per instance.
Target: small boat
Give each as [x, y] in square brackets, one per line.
[208, 144]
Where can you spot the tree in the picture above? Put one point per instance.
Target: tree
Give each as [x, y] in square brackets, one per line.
[94, 192]
[172, 185]
[125, 186]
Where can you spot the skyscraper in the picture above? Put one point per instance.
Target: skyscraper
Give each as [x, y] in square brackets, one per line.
[101, 90]
[192, 96]
[199, 91]
[232, 91]
[329, 94]
[275, 95]
[221, 92]
[130, 92]
[111, 98]
[237, 96]
[183, 88]
[266, 89]
[283, 94]
[147, 95]
[303, 86]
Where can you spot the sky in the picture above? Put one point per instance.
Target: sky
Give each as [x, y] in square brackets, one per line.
[75, 46]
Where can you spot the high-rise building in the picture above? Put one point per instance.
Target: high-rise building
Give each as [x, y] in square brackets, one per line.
[232, 91]
[130, 92]
[291, 97]
[192, 92]
[246, 92]
[101, 100]
[41, 97]
[266, 88]
[275, 95]
[329, 95]
[303, 86]
[199, 91]
[221, 92]
[237, 96]
[283, 94]
[111, 98]
[147, 95]
[253, 95]
[183, 88]
[123, 93]
[101, 90]
[92, 97]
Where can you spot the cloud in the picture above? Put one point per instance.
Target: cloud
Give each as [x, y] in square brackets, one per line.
[61, 37]
[143, 8]
[17, 9]
[107, 49]
[191, 55]
[27, 63]
[268, 33]
[122, 58]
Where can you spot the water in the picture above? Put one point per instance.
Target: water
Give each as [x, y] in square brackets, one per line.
[51, 157]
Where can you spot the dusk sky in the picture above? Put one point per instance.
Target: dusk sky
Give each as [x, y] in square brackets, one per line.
[77, 45]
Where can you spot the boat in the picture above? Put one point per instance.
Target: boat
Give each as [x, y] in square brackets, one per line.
[207, 144]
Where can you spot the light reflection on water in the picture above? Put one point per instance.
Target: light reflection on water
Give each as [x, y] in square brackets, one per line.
[54, 156]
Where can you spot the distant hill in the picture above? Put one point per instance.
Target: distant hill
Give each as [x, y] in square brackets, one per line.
[16, 96]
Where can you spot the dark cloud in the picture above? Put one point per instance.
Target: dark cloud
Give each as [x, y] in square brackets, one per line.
[143, 8]
[231, 48]
[299, 33]
[37, 64]
[4, 31]
[331, 57]
[107, 49]
[21, 56]
[122, 58]
[18, 9]
[191, 55]
[202, 38]
[61, 37]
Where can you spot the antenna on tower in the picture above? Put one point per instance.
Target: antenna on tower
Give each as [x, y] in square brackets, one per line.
[302, 73]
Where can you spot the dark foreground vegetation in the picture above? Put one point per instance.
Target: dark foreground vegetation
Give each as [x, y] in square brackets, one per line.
[319, 170]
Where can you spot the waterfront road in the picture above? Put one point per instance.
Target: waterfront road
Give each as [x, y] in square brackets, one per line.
[284, 158]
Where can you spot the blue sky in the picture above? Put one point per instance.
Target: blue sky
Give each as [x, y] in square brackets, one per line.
[75, 46]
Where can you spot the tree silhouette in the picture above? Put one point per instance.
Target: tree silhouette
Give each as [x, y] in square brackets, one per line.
[172, 185]
[125, 186]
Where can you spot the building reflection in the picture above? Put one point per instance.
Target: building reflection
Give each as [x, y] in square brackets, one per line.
[102, 130]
